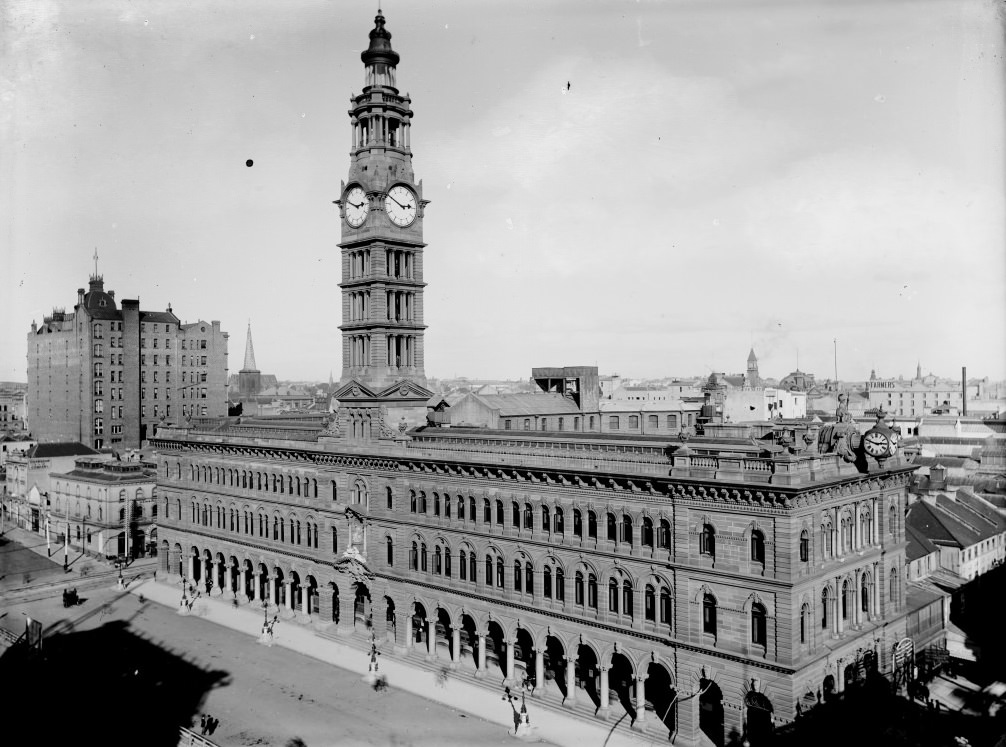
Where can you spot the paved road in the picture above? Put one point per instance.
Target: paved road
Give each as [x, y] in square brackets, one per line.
[133, 670]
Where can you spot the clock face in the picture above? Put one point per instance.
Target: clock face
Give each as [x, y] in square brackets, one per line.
[357, 207]
[401, 205]
[875, 444]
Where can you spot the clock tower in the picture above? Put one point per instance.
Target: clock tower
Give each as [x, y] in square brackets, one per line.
[381, 209]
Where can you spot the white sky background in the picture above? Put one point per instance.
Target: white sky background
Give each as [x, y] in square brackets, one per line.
[718, 174]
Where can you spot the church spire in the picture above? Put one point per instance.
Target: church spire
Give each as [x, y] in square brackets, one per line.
[249, 353]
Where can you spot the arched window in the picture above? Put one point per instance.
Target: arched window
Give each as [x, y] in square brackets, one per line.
[612, 527]
[514, 515]
[824, 609]
[846, 599]
[499, 573]
[626, 530]
[462, 565]
[577, 523]
[560, 585]
[436, 504]
[447, 507]
[518, 576]
[578, 588]
[413, 502]
[665, 606]
[628, 608]
[650, 603]
[471, 507]
[646, 534]
[389, 542]
[558, 521]
[804, 618]
[414, 557]
[864, 596]
[804, 546]
[592, 591]
[546, 583]
[391, 498]
[422, 556]
[487, 512]
[546, 519]
[613, 596]
[528, 516]
[591, 525]
[471, 567]
[499, 512]
[335, 538]
[529, 578]
[664, 538]
[422, 502]
[438, 560]
[759, 635]
[447, 562]
[707, 540]
[827, 540]
[892, 521]
[757, 547]
[709, 614]
[489, 570]
[894, 586]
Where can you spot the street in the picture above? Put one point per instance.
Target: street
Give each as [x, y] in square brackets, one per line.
[118, 665]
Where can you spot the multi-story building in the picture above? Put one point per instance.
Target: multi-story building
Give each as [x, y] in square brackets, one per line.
[107, 376]
[13, 411]
[106, 507]
[698, 584]
[28, 480]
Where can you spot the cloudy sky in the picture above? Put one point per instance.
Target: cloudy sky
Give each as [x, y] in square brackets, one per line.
[716, 174]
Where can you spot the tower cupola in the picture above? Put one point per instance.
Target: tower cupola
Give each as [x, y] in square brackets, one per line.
[380, 59]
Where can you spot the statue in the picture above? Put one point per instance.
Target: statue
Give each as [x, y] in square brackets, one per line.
[333, 426]
[841, 437]
[384, 429]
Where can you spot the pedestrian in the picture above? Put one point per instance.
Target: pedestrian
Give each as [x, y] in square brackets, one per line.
[211, 724]
[202, 724]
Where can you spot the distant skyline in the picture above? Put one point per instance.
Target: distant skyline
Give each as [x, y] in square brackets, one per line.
[649, 187]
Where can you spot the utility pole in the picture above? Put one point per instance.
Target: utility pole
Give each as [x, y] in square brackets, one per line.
[836, 360]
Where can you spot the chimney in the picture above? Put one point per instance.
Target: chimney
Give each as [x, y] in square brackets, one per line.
[80, 295]
[964, 391]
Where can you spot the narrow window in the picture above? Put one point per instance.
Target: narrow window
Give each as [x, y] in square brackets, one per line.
[757, 547]
[709, 614]
[804, 546]
[758, 625]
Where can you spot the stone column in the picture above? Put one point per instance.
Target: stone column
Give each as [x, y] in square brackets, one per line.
[835, 613]
[257, 588]
[857, 613]
[539, 670]
[876, 591]
[408, 631]
[274, 591]
[455, 646]
[289, 595]
[482, 656]
[876, 524]
[509, 661]
[431, 638]
[570, 682]
[640, 701]
[191, 569]
[603, 706]
[839, 677]
[305, 599]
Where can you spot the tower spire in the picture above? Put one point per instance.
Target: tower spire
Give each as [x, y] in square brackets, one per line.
[249, 352]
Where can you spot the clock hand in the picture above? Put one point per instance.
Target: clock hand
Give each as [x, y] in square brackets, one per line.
[354, 204]
[397, 202]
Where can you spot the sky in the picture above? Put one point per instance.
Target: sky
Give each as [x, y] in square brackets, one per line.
[649, 187]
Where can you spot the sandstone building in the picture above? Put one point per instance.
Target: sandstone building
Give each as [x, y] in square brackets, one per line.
[700, 584]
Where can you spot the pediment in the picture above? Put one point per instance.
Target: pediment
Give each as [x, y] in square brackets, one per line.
[406, 390]
[353, 390]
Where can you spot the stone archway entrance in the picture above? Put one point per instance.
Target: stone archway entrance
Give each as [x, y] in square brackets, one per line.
[711, 711]
[555, 666]
[523, 655]
[495, 650]
[621, 683]
[361, 606]
[661, 696]
[587, 673]
[758, 718]
[469, 641]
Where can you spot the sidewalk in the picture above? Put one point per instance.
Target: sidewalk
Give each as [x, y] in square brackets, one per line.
[547, 724]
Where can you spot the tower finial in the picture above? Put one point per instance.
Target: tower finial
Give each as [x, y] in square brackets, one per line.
[96, 261]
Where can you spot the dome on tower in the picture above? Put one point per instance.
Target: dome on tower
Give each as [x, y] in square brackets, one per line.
[380, 45]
